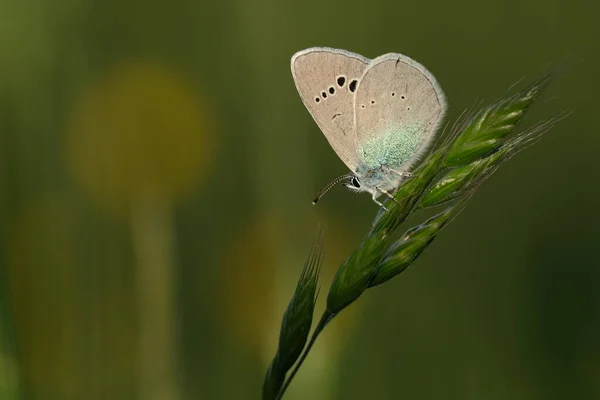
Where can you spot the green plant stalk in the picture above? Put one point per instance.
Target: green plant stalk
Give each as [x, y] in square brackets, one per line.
[451, 174]
[353, 277]
[414, 241]
[415, 235]
[487, 130]
[454, 183]
[408, 194]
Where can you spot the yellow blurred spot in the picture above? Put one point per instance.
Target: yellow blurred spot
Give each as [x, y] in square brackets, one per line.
[139, 129]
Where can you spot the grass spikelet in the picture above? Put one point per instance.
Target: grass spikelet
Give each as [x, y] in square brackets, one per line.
[475, 148]
[296, 323]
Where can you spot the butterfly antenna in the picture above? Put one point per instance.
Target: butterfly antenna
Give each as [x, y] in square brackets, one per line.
[331, 184]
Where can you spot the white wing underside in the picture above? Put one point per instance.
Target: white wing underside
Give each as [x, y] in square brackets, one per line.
[349, 117]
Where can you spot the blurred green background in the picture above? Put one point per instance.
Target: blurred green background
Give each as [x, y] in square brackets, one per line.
[156, 173]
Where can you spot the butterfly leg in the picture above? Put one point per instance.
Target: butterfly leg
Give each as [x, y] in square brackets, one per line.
[402, 174]
[378, 202]
[388, 194]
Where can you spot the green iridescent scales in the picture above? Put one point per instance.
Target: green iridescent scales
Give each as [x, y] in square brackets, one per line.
[392, 147]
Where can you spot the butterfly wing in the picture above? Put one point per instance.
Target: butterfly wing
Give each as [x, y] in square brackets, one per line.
[327, 81]
[398, 108]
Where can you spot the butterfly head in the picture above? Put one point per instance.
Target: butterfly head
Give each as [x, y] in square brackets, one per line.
[353, 184]
[351, 181]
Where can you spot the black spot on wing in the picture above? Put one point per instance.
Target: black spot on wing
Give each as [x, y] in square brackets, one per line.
[352, 85]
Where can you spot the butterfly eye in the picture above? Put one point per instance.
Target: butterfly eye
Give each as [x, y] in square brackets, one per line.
[355, 182]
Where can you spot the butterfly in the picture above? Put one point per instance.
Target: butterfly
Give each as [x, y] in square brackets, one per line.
[379, 116]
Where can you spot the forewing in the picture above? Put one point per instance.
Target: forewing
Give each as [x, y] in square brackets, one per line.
[327, 81]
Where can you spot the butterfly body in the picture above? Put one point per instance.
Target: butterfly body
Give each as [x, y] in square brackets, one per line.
[378, 115]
